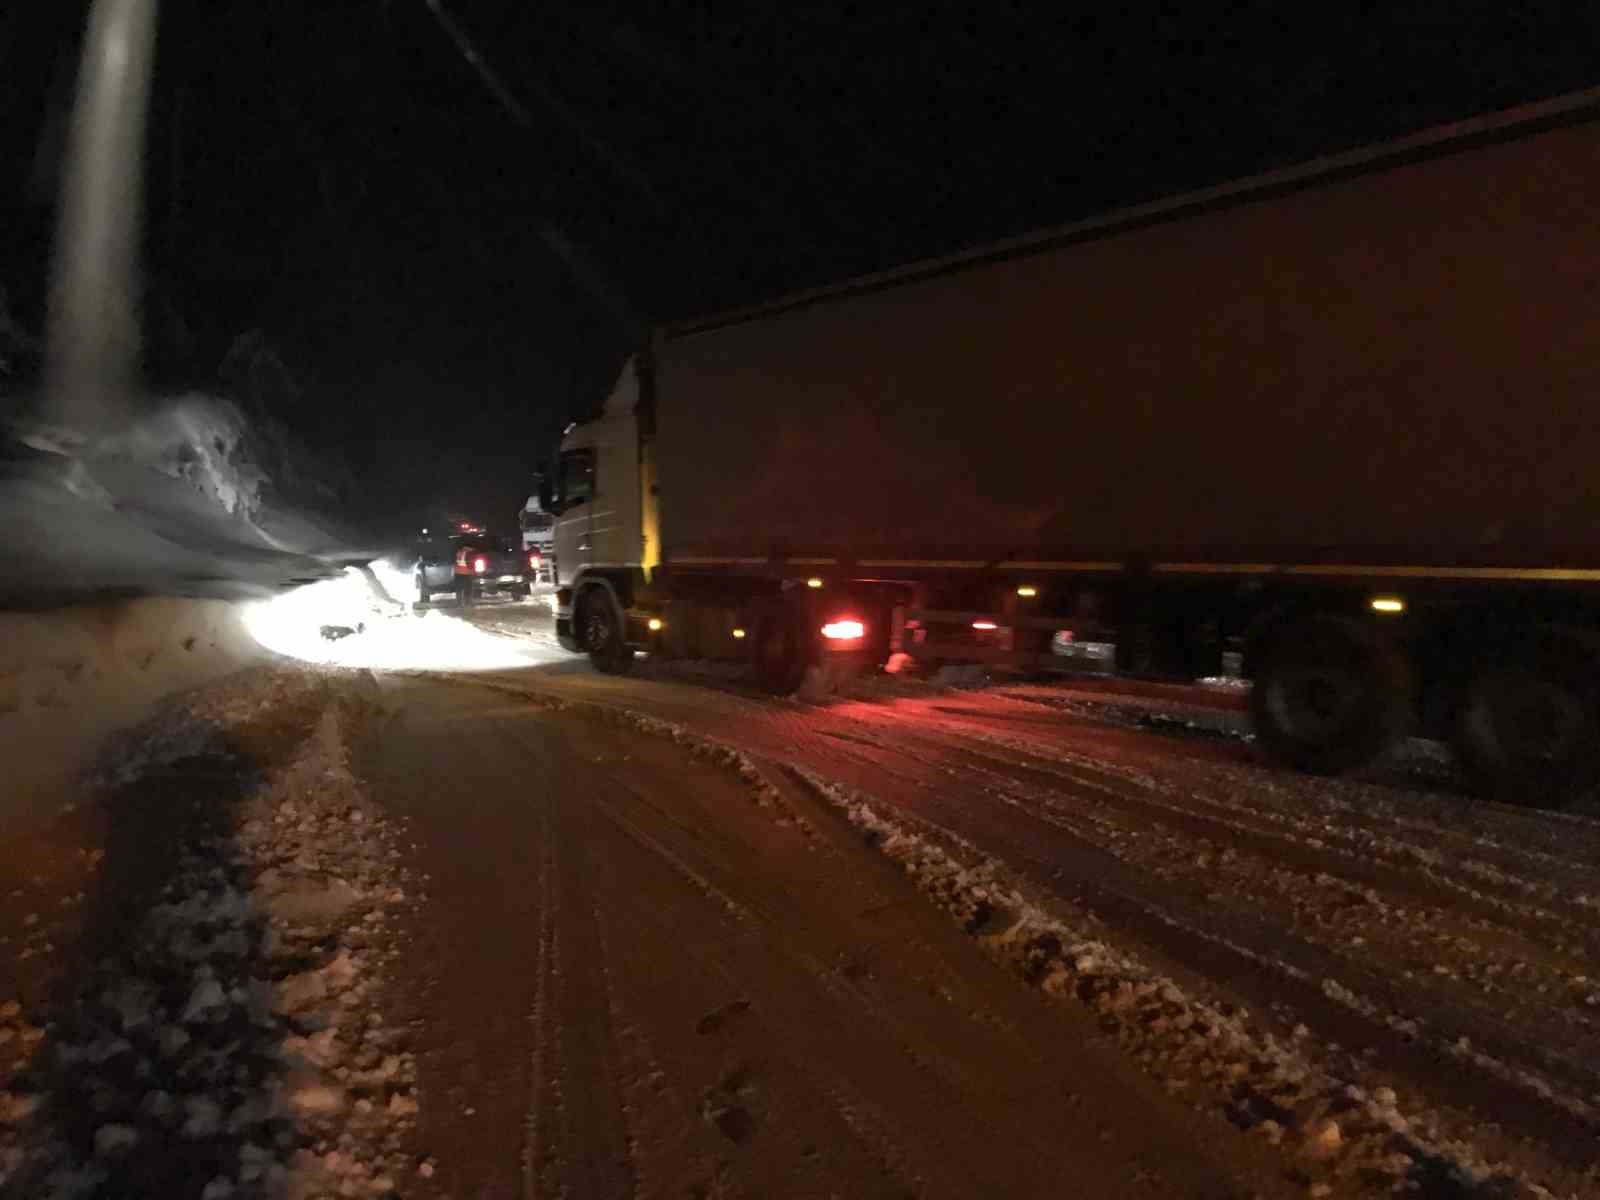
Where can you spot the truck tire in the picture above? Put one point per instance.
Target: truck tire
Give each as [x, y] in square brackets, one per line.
[1527, 729]
[782, 650]
[1330, 695]
[600, 627]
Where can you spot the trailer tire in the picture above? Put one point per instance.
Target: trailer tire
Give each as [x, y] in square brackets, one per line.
[1527, 728]
[601, 628]
[1330, 695]
[782, 651]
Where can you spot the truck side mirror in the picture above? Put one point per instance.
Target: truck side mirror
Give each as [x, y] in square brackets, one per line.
[547, 500]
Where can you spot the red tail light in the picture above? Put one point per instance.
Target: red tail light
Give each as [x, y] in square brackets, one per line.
[844, 629]
[984, 625]
[534, 560]
[480, 565]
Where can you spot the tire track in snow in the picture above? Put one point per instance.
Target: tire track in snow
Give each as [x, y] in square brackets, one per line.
[1487, 942]
[581, 1144]
[1435, 847]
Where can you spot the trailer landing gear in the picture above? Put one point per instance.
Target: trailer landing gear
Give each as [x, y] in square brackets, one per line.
[782, 649]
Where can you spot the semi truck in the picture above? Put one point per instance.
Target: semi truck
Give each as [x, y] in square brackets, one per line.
[538, 539]
[1341, 419]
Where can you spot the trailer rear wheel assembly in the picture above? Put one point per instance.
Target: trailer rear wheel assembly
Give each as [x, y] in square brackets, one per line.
[1330, 695]
[1527, 728]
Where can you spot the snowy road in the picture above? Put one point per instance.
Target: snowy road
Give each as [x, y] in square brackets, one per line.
[639, 976]
[667, 936]
[1417, 966]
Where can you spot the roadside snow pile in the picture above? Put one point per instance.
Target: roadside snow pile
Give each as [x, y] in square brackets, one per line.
[69, 676]
[222, 1034]
[190, 476]
[1343, 1138]
[361, 620]
[200, 441]
[330, 883]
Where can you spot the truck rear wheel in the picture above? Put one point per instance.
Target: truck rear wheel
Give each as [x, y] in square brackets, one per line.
[1330, 695]
[603, 636]
[1528, 726]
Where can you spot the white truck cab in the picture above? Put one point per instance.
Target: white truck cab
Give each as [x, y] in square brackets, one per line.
[538, 538]
[600, 489]
[605, 538]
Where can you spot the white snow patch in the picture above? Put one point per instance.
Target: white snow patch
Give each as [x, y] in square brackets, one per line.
[383, 634]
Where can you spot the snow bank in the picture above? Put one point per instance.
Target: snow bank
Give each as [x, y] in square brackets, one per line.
[71, 675]
[234, 1043]
[364, 619]
[175, 502]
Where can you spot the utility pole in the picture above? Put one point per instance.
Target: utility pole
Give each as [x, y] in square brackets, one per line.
[93, 339]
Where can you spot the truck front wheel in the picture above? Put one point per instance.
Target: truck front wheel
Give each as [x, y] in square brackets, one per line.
[1528, 726]
[603, 637]
[1330, 695]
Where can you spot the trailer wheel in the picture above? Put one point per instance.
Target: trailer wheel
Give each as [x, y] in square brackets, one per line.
[600, 626]
[782, 650]
[1528, 726]
[1330, 695]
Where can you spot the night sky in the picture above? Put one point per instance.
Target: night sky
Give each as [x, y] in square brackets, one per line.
[337, 176]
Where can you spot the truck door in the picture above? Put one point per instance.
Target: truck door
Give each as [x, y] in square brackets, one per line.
[574, 527]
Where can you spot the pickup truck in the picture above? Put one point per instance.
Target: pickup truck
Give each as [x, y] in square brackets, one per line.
[471, 565]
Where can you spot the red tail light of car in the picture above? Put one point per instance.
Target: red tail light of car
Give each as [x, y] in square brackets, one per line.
[844, 629]
[534, 561]
[480, 564]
